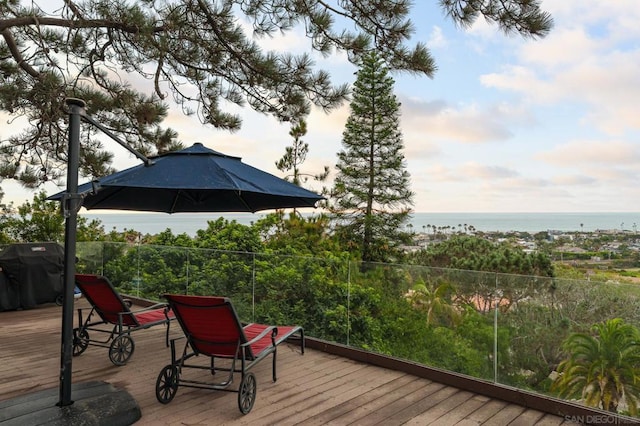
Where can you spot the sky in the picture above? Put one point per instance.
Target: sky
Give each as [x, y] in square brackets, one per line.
[507, 124]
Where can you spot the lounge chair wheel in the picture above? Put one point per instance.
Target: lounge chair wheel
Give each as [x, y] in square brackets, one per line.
[121, 349]
[167, 384]
[247, 393]
[80, 341]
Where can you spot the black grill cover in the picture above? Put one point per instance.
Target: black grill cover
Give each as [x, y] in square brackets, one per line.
[31, 275]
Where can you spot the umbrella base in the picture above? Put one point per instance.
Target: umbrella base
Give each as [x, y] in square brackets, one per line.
[95, 403]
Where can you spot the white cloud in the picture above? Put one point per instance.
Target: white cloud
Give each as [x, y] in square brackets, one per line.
[620, 17]
[582, 152]
[460, 123]
[441, 173]
[437, 39]
[523, 80]
[561, 48]
[484, 31]
[616, 175]
[475, 171]
[571, 180]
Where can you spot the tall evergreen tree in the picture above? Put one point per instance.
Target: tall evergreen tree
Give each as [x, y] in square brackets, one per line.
[371, 195]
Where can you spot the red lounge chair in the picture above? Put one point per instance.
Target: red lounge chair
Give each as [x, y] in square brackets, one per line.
[116, 315]
[213, 329]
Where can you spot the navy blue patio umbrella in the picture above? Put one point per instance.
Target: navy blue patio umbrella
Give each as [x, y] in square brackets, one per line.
[196, 179]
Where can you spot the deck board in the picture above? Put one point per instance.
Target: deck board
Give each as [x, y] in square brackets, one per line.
[316, 388]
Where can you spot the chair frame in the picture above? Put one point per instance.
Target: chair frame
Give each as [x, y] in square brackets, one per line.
[241, 355]
[116, 323]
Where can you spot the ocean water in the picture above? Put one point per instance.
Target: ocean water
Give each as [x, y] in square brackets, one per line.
[189, 223]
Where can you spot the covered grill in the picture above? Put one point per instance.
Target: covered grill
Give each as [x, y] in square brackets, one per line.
[31, 275]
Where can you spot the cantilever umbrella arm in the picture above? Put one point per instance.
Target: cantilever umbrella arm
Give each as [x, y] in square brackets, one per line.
[145, 160]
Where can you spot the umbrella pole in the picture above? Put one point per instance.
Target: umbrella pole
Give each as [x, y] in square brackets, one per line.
[70, 204]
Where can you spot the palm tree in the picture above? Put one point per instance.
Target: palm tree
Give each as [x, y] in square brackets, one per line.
[436, 303]
[603, 367]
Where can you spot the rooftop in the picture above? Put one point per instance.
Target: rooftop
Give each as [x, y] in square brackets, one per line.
[329, 384]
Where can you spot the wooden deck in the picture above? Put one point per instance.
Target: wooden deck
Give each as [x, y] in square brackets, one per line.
[316, 388]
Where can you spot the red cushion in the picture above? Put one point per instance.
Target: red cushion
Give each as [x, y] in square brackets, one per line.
[210, 321]
[251, 331]
[101, 294]
[148, 317]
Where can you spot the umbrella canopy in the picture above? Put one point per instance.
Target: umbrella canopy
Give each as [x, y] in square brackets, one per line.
[195, 179]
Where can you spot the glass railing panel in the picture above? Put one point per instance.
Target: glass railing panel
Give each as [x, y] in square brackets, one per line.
[583, 303]
[541, 314]
[528, 330]
[378, 307]
[424, 315]
[225, 274]
[306, 291]
[90, 257]
[461, 323]
[147, 271]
